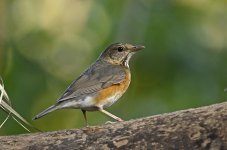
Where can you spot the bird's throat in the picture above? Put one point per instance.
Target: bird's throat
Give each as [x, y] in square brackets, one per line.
[125, 61]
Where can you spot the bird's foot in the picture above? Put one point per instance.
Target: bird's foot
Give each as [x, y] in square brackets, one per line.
[109, 122]
[119, 120]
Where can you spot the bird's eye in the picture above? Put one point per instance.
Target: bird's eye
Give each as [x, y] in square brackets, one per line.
[120, 49]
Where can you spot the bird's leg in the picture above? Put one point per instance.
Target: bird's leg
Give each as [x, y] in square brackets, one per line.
[85, 116]
[110, 115]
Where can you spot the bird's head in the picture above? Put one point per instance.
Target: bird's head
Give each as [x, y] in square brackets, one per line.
[119, 53]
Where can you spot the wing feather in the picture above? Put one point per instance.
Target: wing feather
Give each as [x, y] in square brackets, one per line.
[100, 75]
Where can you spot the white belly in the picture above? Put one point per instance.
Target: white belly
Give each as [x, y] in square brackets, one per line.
[89, 103]
[111, 100]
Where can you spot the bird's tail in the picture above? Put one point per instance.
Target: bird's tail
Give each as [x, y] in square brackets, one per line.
[46, 111]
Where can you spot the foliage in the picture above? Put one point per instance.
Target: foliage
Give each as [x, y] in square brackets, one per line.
[5, 105]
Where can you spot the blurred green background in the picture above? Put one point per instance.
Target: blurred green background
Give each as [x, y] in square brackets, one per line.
[45, 45]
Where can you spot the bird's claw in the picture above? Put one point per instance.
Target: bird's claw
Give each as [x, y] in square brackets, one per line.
[109, 122]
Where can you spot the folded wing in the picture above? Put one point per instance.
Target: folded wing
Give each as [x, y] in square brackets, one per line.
[100, 75]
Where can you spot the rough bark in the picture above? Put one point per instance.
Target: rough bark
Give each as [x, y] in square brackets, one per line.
[192, 129]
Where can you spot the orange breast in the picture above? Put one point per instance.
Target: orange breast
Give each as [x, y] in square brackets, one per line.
[120, 88]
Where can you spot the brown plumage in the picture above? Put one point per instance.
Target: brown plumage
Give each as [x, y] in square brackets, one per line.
[116, 89]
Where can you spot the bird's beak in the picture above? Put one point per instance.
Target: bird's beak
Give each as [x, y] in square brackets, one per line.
[137, 48]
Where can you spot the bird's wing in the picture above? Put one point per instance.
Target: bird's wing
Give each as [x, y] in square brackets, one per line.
[101, 75]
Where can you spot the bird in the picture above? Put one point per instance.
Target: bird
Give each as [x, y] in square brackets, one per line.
[101, 85]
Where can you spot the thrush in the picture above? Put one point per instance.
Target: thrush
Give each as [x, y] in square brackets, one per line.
[101, 85]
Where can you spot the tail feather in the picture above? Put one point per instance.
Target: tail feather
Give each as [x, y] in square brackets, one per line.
[45, 112]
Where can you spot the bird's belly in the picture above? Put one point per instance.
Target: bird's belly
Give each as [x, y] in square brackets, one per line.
[110, 95]
[109, 101]
[86, 103]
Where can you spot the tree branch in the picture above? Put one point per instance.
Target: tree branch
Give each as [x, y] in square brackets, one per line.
[200, 128]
